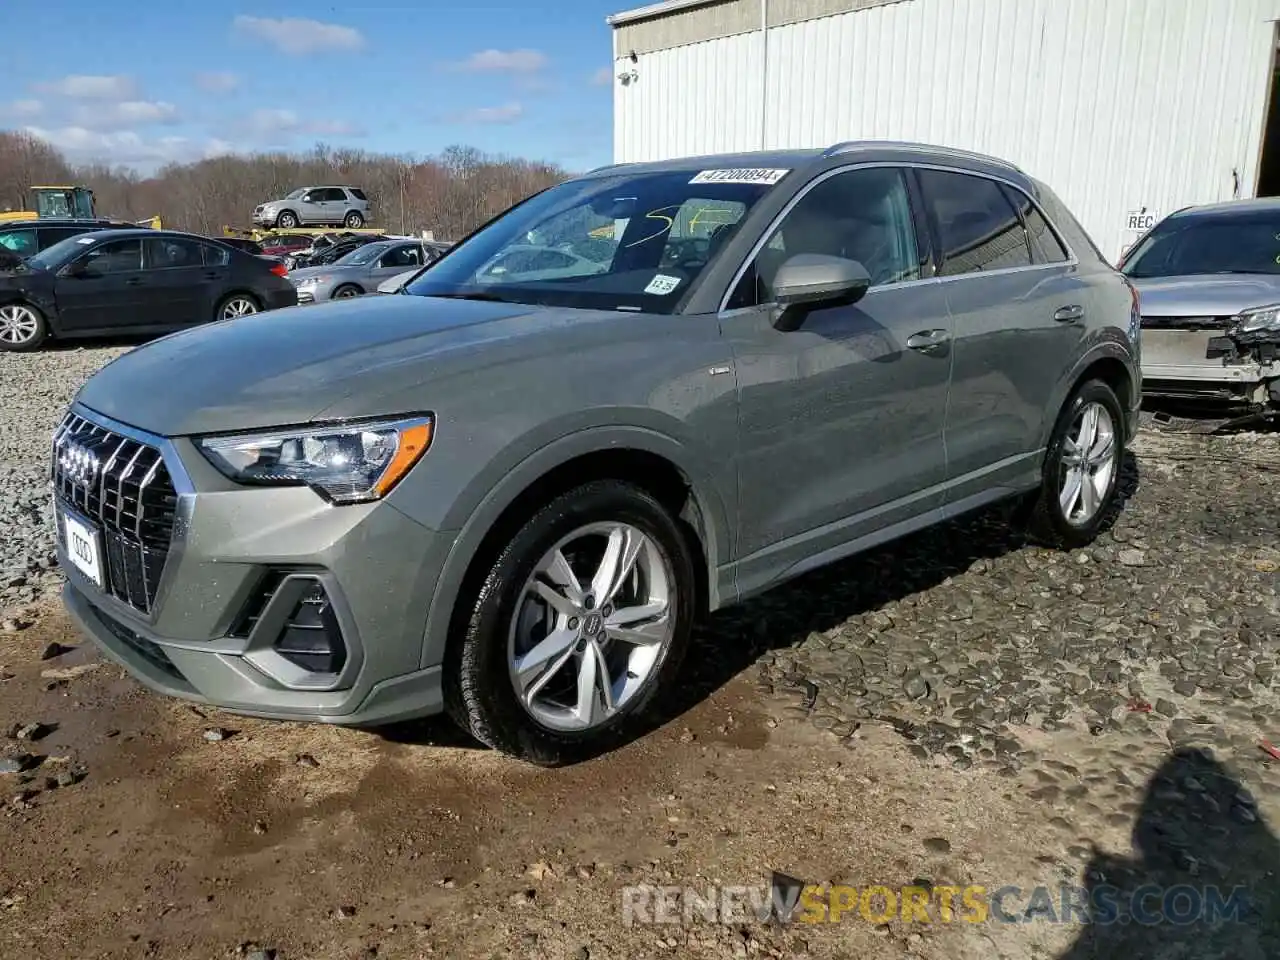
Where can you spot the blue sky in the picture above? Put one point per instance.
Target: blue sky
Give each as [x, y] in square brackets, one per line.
[143, 82]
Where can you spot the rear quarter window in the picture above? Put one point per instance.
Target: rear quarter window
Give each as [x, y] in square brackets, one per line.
[358, 194]
[1076, 236]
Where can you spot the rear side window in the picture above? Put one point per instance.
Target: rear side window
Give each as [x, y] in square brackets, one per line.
[358, 194]
[21, 241]
[48, 236]
[215, 256]
[172, 253]
[1045, 245]
[333, 193]
[977, 225]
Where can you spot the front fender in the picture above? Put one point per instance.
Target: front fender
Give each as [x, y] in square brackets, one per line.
[498, 485]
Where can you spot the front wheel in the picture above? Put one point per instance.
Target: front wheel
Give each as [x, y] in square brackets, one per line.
[354, 220]
[287, 220]
[346, 292]
[583, 618]
[22, 327]
[1081, 473]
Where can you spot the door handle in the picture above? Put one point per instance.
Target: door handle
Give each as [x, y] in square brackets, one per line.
[133, 282]
[929, 341]
[1069, 314]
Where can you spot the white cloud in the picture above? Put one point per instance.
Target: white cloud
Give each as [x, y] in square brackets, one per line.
[507, 113]
[87, 87]
[82, 145]
[602, 77]
[124, 115]
[297, 36]
[23, 108]
[274, 127]
[217, 81]
[504, 61]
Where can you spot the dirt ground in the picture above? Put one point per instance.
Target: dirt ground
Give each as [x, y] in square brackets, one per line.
[143, 827]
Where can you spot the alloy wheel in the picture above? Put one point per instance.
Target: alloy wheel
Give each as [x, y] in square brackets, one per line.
[591, 626]
[238, 307]
[19, 324]
[1089, 461]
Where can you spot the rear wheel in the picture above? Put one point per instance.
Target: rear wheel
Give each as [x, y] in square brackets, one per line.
[1081, 473]
[22, 327]
[287, 220]
[354, 220]
[582, 619]
[347, 291]
[236, 305]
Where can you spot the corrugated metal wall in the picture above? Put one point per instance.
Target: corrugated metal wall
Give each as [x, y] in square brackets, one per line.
[1117, 104]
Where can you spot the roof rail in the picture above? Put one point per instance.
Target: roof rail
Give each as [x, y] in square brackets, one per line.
[958, 154]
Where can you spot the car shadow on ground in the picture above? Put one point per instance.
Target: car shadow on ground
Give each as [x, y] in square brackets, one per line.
[1202, 882]
[730, 641]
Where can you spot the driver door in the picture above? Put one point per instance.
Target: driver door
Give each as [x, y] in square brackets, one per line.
[841, 420]
[113, 295]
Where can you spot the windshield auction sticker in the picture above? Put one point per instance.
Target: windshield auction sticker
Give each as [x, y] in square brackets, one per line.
[765, 177]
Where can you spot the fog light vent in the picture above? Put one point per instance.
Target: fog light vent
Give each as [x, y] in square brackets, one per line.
[310, 636]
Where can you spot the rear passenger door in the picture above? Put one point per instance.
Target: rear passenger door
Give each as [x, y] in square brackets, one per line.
[178, 281]
[1013, 294]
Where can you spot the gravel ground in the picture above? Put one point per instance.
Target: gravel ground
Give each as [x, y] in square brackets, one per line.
[961, 707]
[34, 392]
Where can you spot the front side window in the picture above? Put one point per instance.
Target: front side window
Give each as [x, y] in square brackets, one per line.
[1183, 246]
[863, 215]
[977, 225]
[116, 256]
[620, 242]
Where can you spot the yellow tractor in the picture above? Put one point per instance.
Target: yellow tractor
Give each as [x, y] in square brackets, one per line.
[63, 203]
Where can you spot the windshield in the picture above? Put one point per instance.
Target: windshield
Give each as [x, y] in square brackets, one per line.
[295, 195]
[630, 242]
[62, 252]
[365, 254]
[1183, 246]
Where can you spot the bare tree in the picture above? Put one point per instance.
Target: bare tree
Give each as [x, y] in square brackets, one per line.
[450, 194]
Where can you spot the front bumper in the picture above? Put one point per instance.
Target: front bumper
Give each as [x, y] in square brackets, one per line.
[1208, 365]
[378, 570]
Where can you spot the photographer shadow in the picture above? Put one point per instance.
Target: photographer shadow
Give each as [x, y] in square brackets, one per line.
[1202, 885]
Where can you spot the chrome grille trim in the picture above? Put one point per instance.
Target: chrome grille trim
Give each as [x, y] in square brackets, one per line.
[120, 482]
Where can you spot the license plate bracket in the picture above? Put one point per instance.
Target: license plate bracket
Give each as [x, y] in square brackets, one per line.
[83, 542]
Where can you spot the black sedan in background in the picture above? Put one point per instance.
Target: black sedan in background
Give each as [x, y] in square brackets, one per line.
[137, 281]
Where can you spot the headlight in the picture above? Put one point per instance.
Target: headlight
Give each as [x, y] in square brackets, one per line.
[343, 462]
[311, 281]
[1259, 320]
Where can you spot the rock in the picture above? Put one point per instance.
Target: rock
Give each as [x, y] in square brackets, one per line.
[1185, 688]
[1132, 558]
[344, 912]
[70, 673]
[31, 731]
[1166, 708]
[306, 760]
[938, 845]
[522, 898]
[216, 734]
[55, 650]
[11, 765]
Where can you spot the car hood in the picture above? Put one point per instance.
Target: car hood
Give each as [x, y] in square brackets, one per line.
[393, 284]
[1210, 295]
[290, 366]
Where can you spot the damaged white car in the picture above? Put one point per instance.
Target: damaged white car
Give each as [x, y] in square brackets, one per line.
[1209, 279]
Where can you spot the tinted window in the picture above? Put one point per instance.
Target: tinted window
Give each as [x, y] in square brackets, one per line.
[116, 256]
[20, 241]
[977, 225]
[358, 194]
[168, 253]
[1045, 245]
[48, 236]
[333, 193]
[215, 256]
[405, 256]
[863, 215]
[1183, 246]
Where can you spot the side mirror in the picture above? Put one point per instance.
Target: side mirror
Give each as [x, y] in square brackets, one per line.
[80, 270]
[810, 280]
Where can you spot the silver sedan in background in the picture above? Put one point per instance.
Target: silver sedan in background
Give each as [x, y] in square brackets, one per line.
[360, 271]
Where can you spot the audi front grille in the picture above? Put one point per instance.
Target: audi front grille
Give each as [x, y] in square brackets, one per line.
[122, 486]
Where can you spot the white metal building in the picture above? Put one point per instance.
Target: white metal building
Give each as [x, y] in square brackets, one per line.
[1129, 109]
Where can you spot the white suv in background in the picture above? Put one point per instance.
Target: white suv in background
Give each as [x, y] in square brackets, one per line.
[319, 206]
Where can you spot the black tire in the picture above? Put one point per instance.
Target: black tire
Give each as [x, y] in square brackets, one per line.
[354, 220]
[479, 693]
[346, 292]
[1046, 520]
[286, 220]
[22, 327]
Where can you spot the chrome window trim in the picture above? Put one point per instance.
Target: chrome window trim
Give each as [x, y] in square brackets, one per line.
[1071, 261]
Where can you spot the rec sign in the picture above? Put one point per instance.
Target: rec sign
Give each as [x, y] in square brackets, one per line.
[1140, 221]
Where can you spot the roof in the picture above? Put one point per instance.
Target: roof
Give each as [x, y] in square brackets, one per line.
[57, 222]
[654, 10]
[1256, 205]
[852, 151]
